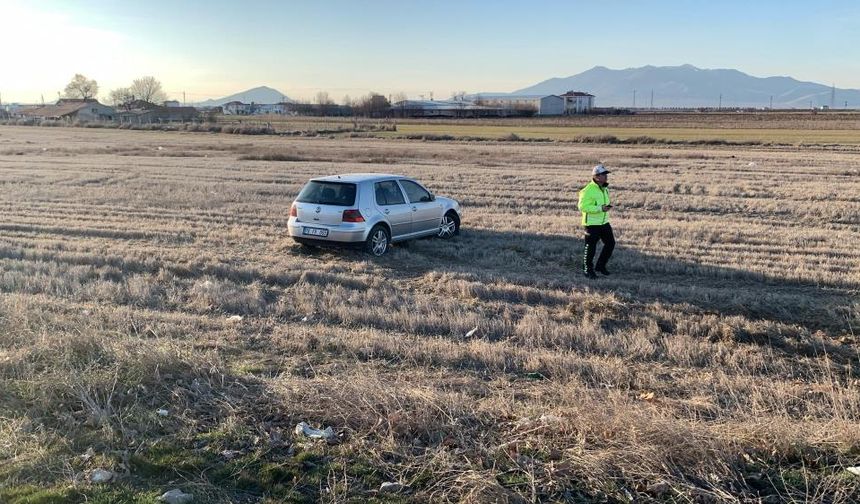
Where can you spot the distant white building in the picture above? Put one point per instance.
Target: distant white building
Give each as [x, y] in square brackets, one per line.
[236, 108]
[572, 102]
[577, 102]
[269, 108]
[239, 108]
[551, 105]
[440, 108]
[511, 102]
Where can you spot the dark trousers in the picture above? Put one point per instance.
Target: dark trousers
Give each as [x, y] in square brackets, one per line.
[594, 234]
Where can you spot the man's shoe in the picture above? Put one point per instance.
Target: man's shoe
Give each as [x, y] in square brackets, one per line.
[603, 271]
[589, 274]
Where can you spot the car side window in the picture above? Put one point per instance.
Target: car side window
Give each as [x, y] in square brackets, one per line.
[388, 193]
[415, 192]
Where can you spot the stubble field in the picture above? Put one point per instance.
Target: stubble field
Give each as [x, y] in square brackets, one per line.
[834, 128]
[718, 364]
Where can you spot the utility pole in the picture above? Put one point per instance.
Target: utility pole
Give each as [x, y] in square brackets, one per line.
[720, 106]
[652, 98]
[183, 98]
[833, 96]
[43, 99]
[771, 102]
[634, 98]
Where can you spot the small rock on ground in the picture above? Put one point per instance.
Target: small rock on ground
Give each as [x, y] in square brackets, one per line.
[101, 476]
[175, 496]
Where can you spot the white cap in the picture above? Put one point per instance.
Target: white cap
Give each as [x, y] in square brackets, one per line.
[599, 170]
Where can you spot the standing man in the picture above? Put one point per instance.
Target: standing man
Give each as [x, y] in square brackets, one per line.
[594, 205]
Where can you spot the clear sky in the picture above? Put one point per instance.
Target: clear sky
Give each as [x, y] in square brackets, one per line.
[214, 48]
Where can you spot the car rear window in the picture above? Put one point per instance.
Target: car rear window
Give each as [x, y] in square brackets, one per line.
[328, 193]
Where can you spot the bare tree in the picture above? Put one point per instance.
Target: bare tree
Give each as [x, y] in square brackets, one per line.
[148, 89]
[372, 105]
[81, 87]
[400, 96]
[323, 98]
[346, 101]
[324, 101]
[120, 97]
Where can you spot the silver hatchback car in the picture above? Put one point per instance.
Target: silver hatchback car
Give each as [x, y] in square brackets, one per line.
[373, 209]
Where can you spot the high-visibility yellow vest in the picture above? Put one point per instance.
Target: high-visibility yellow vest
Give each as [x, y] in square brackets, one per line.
[591, 200]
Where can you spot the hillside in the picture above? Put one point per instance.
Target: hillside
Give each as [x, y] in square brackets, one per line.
[261, 94]
[688, 86]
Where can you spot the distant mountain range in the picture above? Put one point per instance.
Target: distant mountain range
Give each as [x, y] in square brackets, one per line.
[672, 86]
[261, 94]
[688, 86]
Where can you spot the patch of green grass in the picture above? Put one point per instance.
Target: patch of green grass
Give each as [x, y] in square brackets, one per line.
[569, 133]
[257, 368]
[367, 474]
[511, 479]
[164, 461]
[30, 494]
[293, 478]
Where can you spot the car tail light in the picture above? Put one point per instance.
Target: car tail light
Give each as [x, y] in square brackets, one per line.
[294, 212]
[352, 216]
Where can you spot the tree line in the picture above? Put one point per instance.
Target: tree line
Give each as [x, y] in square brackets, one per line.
[146, 88]
[149, 89]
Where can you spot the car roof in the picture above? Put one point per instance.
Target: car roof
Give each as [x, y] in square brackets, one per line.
[358, 177]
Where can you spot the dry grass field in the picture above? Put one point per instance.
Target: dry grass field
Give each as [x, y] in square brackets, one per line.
[718, 364]
[777, 127]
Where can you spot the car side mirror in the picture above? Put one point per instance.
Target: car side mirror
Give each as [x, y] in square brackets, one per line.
[432, 197]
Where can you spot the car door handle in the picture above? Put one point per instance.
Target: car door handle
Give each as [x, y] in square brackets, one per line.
[414, 209]
[386, 211]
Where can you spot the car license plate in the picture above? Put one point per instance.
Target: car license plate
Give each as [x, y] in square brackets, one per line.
[315, 231]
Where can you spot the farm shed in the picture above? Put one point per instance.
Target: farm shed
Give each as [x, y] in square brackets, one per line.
[551, 105]
[143, 112]
[71, 110]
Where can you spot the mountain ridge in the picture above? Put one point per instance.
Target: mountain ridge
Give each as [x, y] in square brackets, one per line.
[259, 94]
[689, 86]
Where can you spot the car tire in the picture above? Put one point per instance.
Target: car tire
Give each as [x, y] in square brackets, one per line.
[450, 226]
[378, 241]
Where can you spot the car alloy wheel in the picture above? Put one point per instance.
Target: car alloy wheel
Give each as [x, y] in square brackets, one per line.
[448, 228]
[379, 242]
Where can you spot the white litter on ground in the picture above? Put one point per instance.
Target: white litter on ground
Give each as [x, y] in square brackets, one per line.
[303, 429]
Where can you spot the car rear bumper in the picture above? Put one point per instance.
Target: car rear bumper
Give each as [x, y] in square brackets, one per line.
[336, 234]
